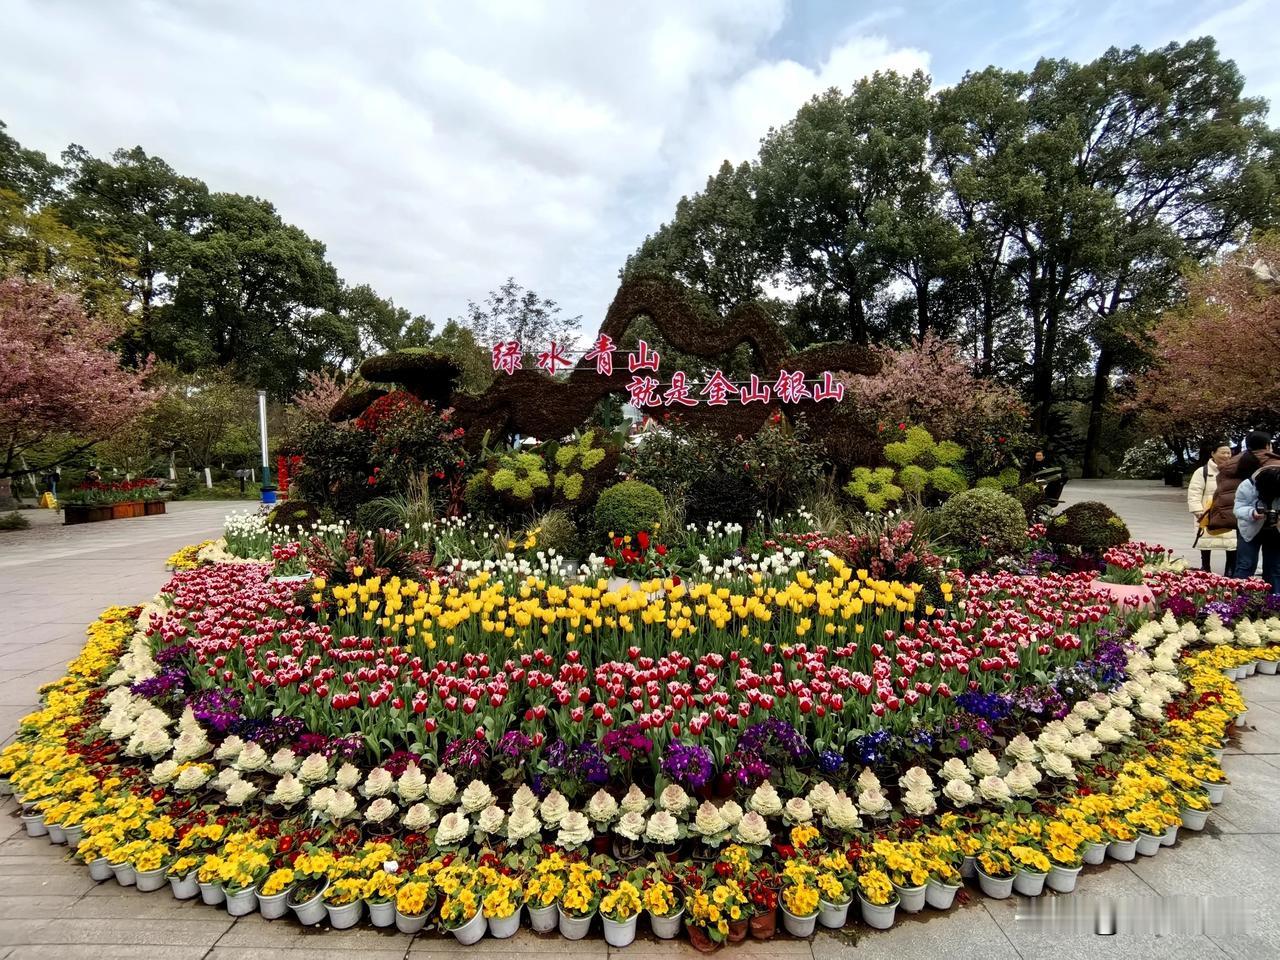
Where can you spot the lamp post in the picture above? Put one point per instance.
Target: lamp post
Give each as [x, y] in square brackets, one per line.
[268, 489]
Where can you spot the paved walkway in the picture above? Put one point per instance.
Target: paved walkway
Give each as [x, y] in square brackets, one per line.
[54, 581]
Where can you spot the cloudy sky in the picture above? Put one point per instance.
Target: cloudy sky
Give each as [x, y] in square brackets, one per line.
[437, 148]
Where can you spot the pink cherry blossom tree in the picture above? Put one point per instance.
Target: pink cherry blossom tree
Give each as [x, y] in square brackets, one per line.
[59, 378]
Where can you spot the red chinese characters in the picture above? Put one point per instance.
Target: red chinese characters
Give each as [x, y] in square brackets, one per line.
[507, 356]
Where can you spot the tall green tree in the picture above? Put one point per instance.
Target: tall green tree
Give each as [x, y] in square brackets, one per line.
[255, 294]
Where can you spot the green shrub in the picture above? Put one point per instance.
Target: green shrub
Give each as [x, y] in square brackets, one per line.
[1032, 499]
[925, 465]
[555, 530]
[520, 477]
[13, 521]
[294, 516]
[479, 497]
[1091, 526]
[629, 507]
[874, 488]
[580, 468]
[971, 515]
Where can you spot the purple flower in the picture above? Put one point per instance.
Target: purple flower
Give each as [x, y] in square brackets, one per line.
[466, 753]
[829, 761]
[514, 745]
[688, 765]
[219, 710]
[627, 742]
[399, 761]
[167, 681]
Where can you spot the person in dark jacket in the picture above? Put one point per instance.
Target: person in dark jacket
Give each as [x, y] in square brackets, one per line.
[1256, 454]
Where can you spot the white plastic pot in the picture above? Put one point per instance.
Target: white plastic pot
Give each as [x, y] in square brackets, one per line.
[799, 926]
[912, 898]
[1267, 667]
[184, 888]
[6, 788]
[666, 928]
[73, 835]
[1029, 883]
[1148, 845]
[382, 914]
[995, 887]
[1194, 819]
[501, 928]
[1063, 879]
[149, 880]
[833, 915]
[619, 933]
[275, 906]
[34, 823]
[940, 895]
[1240, 717]
[126, 876]
[543, 919]
[1094, 853]
[471, 931]
[346, 915]
[1122, 850]
[1251, 668]
[875, 915]
[311, 911]
[56, 833]
[1170, 836]
[241, 903]
[407, 923]
[1216, 791]
[574, 928]
[969, 868]
[101, 870]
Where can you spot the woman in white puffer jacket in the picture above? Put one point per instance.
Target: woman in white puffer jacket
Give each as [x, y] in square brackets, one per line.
[1199, 498]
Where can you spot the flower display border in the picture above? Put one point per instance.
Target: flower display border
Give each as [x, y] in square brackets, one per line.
[54, 768]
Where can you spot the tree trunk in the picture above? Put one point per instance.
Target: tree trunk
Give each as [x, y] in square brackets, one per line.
[922, 307]
[1097, 402]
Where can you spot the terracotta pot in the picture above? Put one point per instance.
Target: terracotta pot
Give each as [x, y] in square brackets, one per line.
[764, 925]
[738, 930]
[701, 940]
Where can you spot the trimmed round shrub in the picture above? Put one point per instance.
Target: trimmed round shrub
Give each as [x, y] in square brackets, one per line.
[629, 507]
[294, 516]
[1090, 526]
[971, 515]
[1032, 499]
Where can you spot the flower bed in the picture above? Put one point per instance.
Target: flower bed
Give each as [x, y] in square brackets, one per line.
[469, 748]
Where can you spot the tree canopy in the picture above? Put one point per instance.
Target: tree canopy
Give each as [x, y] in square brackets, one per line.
[1043, 218]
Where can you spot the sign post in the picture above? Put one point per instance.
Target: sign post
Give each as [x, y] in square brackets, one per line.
[268, 490]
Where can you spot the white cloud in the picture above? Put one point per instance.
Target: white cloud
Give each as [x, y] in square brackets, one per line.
[435, 148]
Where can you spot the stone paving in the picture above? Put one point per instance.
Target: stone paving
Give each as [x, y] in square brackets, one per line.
[53, 581]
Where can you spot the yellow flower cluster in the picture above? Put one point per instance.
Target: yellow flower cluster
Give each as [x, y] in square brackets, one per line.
[277, 882]
[582, 890]
[188, 557]
[718, 904]
[462, 893]
[876, 887]
[622, 902]
[484, 608]
[660, 899]
[411, 898]
[906, 862]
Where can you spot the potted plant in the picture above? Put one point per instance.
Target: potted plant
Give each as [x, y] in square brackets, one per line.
[311, 871]
[995, 873]
[273, 892]
[664, 907]
[414, 900]
[343, 902]
[708, 927]
[1194, 808]
[182, 876]
[580, 900]
[33, 820]
[1123, 839]
[762, 894]
[503, 902]
[1063, 846]
[379, 894]
[904, 863]
[877, 899]
[209, 878]
[148, 865]
[836, 885]
[800, 898]
[543, 891]
[460, 911]
[944, 862]
[1032, 866]
[619, 909]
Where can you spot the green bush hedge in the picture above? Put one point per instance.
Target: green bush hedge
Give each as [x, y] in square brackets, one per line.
[1090, 526]
[628, 507]
[971, 515]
